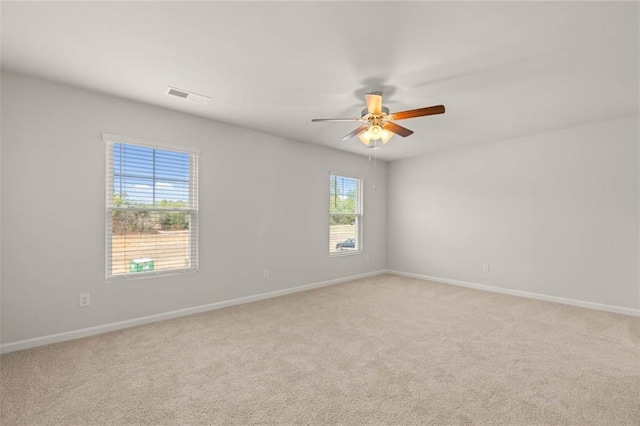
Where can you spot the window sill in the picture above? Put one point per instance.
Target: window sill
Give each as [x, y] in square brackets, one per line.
[345, 253]
[147, 275]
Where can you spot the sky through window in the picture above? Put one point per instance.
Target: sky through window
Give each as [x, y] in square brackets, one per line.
[149, 177]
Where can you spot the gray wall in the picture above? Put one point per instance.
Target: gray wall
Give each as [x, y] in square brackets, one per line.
[554, 214]
[263, 204]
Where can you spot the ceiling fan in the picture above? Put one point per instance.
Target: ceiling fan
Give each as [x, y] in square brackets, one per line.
[380, 123]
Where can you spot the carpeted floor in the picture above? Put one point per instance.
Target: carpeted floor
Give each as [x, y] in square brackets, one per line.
[383, 350]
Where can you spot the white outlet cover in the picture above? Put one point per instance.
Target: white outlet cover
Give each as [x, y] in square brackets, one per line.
[85, 300]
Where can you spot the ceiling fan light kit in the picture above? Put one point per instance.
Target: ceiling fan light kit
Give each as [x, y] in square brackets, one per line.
[380, 125]
[375, 133]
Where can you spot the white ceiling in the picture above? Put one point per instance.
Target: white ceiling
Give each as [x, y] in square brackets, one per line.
[502, 69]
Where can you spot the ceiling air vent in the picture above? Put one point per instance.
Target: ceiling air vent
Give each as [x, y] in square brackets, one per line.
[190, 96]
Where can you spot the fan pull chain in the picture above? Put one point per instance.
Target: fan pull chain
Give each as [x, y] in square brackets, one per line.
[375, 167]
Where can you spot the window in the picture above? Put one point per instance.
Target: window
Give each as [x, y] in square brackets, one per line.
[152, 208]
[345, 214]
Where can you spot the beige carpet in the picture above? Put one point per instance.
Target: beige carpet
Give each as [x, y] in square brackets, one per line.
[384, 350]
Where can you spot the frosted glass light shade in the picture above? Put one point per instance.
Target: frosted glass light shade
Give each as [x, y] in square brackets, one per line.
[365, 137]
[386, 136]
[375, 132]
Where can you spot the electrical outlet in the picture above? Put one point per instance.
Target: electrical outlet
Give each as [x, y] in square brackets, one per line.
[265, 274]
[367, 258]
[85, 300]
[485, 267]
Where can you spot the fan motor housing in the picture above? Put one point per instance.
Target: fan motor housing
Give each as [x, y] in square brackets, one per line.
[365, 111]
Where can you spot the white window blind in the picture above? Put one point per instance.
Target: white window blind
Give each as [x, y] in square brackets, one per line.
[345, 214]
[152, 209]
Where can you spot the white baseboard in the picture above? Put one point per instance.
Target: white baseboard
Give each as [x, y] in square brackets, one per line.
[100, 329]
[564, 301]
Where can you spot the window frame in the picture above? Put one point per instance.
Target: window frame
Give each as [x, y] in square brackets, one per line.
[193, 211]
[359, 215]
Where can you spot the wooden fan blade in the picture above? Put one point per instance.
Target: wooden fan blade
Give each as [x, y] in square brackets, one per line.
[398, 130]
[356, 132]
[420, 112]
[336, 119]
[374, 103]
